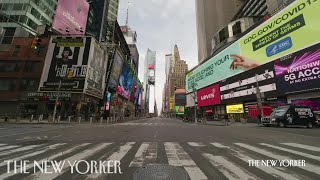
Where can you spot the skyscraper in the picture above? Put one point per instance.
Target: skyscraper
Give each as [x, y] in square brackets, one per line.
[113, 10]
[131, 39]
[149, 79]
[29, 15]
[211, 16]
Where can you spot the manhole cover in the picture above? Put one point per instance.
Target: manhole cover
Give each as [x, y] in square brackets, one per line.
[160, 172]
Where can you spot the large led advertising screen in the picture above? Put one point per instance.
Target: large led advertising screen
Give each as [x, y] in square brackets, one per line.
[291, 30]
[66, 60]
[71, 17]
[299, 71]
[125, 82]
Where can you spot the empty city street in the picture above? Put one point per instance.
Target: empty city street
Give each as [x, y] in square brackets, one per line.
[212, 151]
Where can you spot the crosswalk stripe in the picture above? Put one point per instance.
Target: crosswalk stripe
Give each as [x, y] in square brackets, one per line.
[20, 149]
[270, 170]
[43, 150]
[302, 146]
[196, 144]
[3, 144]
[293, 151]
[229, 169]
[309, 167]
[71, 160]
[178, 157]
[7, 147]
[30, 165]
[116, 156]
[147, 151]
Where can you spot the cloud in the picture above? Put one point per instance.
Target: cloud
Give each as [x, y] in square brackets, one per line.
[160, 24]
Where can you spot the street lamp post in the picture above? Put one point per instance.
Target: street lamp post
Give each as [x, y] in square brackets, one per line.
[194, 100]
[56, 102]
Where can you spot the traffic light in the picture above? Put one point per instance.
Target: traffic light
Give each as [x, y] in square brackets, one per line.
[36, 43]
[175, 87]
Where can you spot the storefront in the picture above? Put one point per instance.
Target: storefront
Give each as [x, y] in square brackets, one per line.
[209, 101]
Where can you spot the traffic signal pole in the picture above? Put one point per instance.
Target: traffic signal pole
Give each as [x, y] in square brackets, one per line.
[56, 102]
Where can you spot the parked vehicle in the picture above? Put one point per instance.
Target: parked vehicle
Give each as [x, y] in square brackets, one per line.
[291, 115]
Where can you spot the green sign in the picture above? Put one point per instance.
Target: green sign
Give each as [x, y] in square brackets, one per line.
[179, 109]
[294, 28]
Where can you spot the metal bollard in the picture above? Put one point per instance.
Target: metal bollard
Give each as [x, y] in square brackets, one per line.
[39, 118]
[31, 119]
[59, 117]
[79, 119]
[69, 119]
[101, 119]
[91, 120]
[108, 119]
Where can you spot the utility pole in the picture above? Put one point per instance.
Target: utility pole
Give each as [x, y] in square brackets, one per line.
[56, 102]
[258, 93]
[194, 99]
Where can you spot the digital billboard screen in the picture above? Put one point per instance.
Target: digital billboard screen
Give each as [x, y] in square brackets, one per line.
[71, 17]
[125, 82]
[290, 30]
[299, 71]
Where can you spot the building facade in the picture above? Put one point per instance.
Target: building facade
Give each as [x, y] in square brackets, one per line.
[113, 10]
[149, 79]
[211, 16]
[131, 39]
[29, 14]
[176, 77]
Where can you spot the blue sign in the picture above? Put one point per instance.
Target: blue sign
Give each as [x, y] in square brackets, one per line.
[279, 46]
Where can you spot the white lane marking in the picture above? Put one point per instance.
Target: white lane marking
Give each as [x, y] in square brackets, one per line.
[229, 169]
[309, 167]
[196, 144]
[30, 132]
[145, 123]
[80, 156]
[293, 151]
[8, 147]
[43, 150]
[147, 151]
[302, 146]
[218, 145]
[116, 156]
[178, 157]
[50, 158]
[19, 149]
[3, 144]
[268, 169]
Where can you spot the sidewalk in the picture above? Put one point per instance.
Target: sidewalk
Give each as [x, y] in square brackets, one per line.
[72, 122]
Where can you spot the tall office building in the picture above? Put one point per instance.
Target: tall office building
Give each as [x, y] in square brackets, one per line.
[149, 79]
[211, 16]
[131, 39]
[113, 10]
[168, 64]
[177, 74]
[29, 13]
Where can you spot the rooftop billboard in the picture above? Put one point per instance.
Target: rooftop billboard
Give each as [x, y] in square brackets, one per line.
[71, 17]
[292, 29]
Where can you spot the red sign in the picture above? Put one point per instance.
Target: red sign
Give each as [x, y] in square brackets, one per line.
[151, 66]
[209, 96]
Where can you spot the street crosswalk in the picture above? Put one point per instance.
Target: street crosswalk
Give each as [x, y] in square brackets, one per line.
[141, 124]
[200, 160]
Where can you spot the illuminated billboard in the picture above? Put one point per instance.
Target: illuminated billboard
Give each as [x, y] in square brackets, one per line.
[71, 17]
[292, 29]
[125, 82]
[235, 109]
[179, 109]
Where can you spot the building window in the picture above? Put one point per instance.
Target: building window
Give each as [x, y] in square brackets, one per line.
[32, 67]
[10, 66]
[8, 84]
[29, 84]
[8, 35]
[236, 28]
[224, 34]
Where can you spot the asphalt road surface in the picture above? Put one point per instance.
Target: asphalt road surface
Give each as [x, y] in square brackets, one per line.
[117, 151]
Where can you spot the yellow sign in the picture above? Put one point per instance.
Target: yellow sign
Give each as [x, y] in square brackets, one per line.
[235, 109]
[171, 106]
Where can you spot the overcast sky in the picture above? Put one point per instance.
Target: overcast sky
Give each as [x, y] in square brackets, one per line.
[160, 24]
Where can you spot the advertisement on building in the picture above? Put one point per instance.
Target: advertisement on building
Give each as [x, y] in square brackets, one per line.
[108, 99]
[235, 109]
[135, 90]
[280, 35]
[209, 96]
[66, 60]
[171, 104]
[243, 87]
[191, 99]
[95, 81]
[125, 82]
[71, 17]
[116, 70]
[179, 109]
[299, 71]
